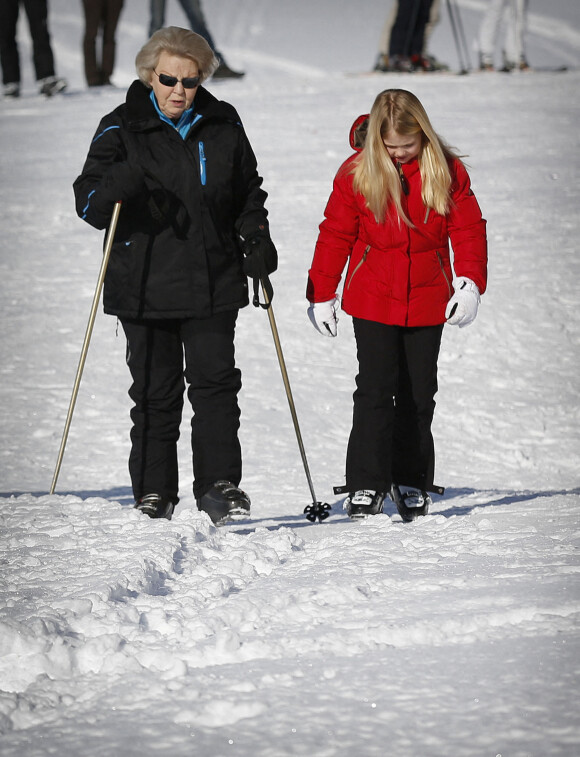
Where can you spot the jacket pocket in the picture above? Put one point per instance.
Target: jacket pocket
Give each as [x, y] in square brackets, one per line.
[358, 266]
[445, 274]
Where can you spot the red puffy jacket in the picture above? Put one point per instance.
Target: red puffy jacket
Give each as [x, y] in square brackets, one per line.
[398, 275]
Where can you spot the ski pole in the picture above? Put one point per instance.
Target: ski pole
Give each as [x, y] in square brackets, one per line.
[456, 28]
[89, 331]
[316, 509]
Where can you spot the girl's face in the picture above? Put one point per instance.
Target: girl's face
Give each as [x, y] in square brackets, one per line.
[174, 99]
[402, 148]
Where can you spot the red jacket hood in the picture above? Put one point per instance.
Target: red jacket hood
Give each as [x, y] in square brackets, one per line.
[358, 132]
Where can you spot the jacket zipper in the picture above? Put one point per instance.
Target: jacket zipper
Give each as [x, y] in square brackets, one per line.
[440, 259]
[358, 265]
[202, 172]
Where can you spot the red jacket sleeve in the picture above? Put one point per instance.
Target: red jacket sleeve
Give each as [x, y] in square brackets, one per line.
[466, 229]
[337, 234]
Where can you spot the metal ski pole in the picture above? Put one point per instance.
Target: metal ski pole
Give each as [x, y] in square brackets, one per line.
[89, 331]
[456, 28]
[317, 510]
[462, 35]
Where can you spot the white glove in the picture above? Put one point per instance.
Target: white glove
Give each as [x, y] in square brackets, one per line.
[323, 316]
[462, 307]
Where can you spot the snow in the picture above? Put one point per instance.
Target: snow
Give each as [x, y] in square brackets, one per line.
[454, 635]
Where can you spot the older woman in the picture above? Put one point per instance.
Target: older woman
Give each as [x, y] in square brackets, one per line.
[192, 227]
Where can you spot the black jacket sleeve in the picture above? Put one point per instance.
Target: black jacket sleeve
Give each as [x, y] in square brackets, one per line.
[107, 176]
[252, 215]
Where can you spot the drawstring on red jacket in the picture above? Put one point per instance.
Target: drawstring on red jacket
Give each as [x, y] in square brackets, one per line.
[403, 178]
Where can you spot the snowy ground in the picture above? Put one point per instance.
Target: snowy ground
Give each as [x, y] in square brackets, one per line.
[456, 635]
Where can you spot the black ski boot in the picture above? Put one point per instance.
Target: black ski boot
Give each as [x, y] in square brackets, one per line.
[223, 71]
[364, 503]
[224, 502]
[410, 503]
[156, 506]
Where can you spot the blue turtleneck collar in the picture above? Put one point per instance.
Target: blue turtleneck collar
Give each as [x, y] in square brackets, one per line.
[186, 121]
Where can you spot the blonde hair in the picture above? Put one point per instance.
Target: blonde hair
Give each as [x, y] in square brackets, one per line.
[374, 174]
[175, 41]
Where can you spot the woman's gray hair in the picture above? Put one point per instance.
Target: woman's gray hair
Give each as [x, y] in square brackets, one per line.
[175, 41]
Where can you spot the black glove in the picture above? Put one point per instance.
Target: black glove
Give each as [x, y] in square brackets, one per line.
[260, 255]
[125, 180]
[260, 259]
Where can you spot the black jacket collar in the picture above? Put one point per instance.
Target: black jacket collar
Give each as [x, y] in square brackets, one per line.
[142, 114]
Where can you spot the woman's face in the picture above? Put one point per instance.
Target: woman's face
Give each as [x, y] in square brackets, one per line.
[402, 148]
[174, 99]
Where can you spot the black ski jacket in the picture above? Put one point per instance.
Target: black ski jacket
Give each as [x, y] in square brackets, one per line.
[185, 205]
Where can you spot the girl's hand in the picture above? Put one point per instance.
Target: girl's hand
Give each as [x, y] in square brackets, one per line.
[323, 316]
[462, 307]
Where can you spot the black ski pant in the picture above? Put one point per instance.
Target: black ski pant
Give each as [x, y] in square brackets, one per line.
[37, 14]
[101, 19]
[408, 32]
[391, 439]
[162, 356]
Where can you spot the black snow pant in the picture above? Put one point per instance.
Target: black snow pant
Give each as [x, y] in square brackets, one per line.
[408, 32]
[391, 439]
[156, 350]
[101, 19]
[37, 14]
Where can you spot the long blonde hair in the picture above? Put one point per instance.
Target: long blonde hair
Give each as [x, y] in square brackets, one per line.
[374, 174]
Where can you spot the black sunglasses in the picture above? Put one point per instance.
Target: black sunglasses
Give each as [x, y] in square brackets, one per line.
[190, 82]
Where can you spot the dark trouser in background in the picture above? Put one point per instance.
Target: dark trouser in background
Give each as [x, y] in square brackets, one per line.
[408, 32]
[155, 356]
[37, 14]
[194, 13]
[391, 438]
[100, 16]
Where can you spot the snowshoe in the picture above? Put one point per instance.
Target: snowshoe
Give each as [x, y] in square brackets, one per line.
[224, 502]
[411, 503]
[364, 503]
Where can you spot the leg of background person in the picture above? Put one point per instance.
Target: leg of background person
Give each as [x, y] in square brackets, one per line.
[155, 359]
[93, 10]
[382, 62]
[521, 31]
[8, 46]
[37, 14]
[156, 15]
[113, 10]
[488, 32]
[368, 459]
[400, 28]
[214, 383]
[516, 23]
[413, 448]
[198, 24]
[434, 18]
[417, 34]
[196, 19]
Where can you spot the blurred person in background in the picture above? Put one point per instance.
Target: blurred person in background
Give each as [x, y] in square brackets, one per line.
[42, 57]
[514, 15]
[101, 19]
[423, 61]
[197, 22]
